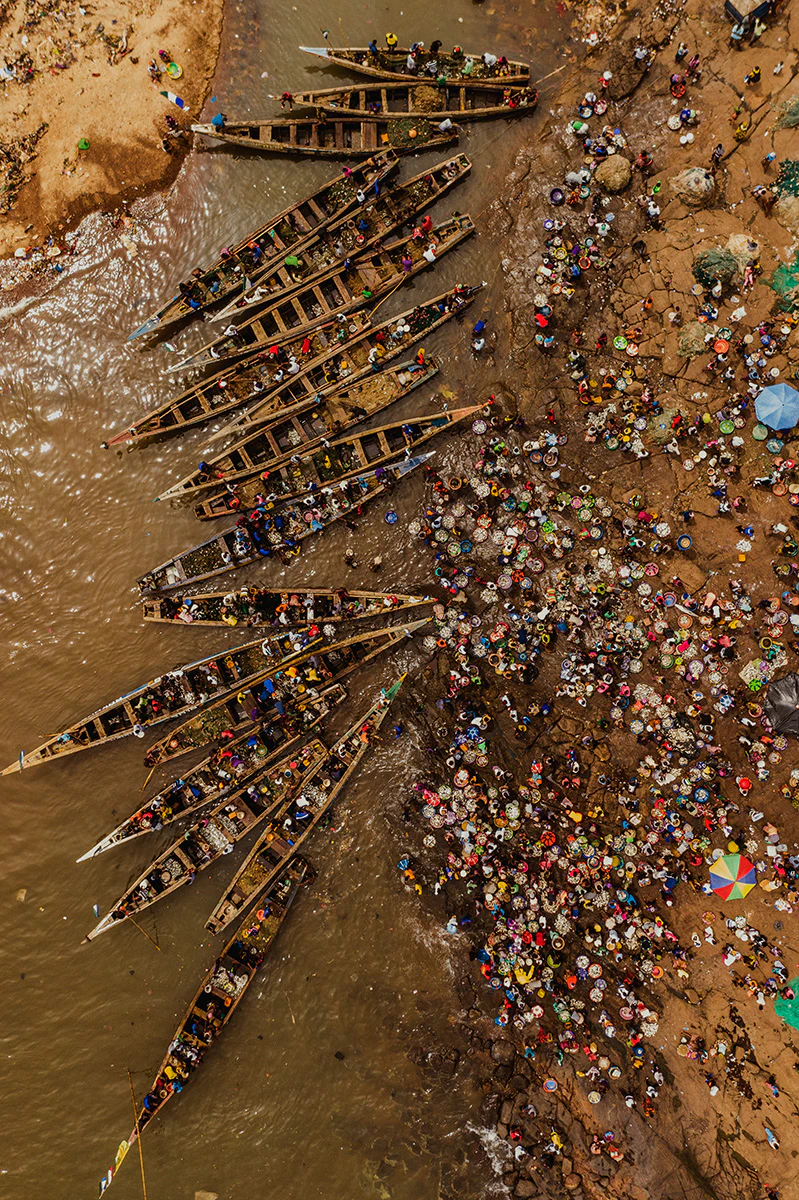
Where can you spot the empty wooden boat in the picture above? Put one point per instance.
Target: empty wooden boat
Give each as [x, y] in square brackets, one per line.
[213, 835]
[215, 1001]
[387, 63]
[263, 536]
[335, 138]
[230, 387]
[296, 226]
[165, 698]
[379, 215]
[255, 606]
[321, 667]
[291, 825]
[328, 465]
[462, 100]
[231, 767]
[351, 284]
[302, 427]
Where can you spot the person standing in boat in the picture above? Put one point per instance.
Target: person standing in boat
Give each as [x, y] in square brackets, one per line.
[391, 41]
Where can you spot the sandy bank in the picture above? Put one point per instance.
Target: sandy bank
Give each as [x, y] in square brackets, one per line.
[78, 74]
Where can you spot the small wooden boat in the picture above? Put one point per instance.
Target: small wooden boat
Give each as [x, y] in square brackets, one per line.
[229, 387]
[321, 667]
[215, 1001]
[171, 695]
[337, 138]
[392, 64]
[348, 286]
[291, 825]
[379, 215]
[303, 426]
[254, 606]
[213, 835]
[233, 766]
[327, 466]
[267, 536]
[295, 227]
[372, 350]
[466, 101]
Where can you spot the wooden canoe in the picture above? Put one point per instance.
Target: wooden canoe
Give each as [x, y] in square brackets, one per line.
[301, 428]
[319, 668]
[229, 387]
[349, 285]
[213, 835]
[329, 465]
[294, 227]
[165, 698]
[322, 414]
[392, 64]
[233, 766]
[466, 101]
[254, 606]
[364, 355]
[266, 537]
[381, 214]
[292, 824]
[336, 138]
[215, 1000]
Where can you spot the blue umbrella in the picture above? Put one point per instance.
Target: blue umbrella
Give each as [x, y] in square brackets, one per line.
[778, 406]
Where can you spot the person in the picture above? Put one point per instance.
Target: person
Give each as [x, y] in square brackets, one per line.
[218, 122]
[435, 46]
[489, 61]
[287, 100]
[391, 40]
[446, 126]
[682, 50]
[753, 77]
[373, 50]
[429, 253]
[407, 264]
[410, 64]
[467, 68]
[768, 160]
[716, 156]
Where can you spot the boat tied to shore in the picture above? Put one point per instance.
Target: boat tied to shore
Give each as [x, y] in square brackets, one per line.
[255, 606]
[214, 834]
[289, 828]
[392, 63]
[229, 388]
[418, 98]
[281, 535]
[349, 285]
[169, 696]
[318, 668]
[331, 138]
[233, 765]
[331, 463]
[293, 228]
[367, 353]
[382, 212]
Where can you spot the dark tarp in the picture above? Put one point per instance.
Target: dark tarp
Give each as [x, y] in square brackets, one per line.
[742, 11]
[781, 704]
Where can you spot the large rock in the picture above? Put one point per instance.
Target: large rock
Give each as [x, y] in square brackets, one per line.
[614, 173]
[502, 1052]
[786, 210]
[695, 186]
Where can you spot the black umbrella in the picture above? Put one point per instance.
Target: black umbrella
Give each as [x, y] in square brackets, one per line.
[781, 704]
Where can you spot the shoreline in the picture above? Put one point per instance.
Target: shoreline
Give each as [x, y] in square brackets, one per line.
[699, 1024]
[85, 122]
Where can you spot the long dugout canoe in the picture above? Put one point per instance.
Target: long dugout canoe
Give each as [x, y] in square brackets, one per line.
[294, 227]
[337, 138]
[255, 606]
[387, 63]
[467, 101]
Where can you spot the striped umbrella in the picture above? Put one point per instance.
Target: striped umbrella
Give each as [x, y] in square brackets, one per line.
[732, 877]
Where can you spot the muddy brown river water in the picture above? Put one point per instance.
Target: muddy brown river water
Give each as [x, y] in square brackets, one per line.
[359, 966]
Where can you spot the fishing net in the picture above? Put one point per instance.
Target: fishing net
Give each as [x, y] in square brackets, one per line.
[405, 131]
[788, 178]
[785, 282]
[789, 1009]
[789, 114]
[715, 266]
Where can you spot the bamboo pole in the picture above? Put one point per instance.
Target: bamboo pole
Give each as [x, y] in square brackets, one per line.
[138, 1136]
